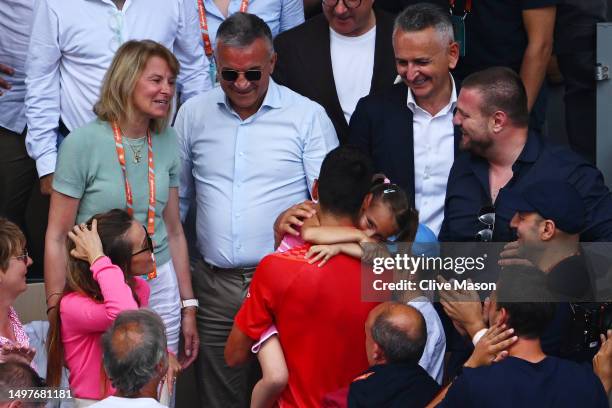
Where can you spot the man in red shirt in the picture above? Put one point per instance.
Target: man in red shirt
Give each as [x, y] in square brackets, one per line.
[317, 310]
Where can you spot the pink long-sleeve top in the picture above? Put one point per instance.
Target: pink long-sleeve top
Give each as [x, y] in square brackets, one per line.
[83, 321]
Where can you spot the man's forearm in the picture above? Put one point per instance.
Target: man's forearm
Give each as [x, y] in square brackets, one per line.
[533, 70]
[539, 24]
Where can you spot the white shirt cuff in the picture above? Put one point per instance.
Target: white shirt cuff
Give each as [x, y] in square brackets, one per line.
[46, 164]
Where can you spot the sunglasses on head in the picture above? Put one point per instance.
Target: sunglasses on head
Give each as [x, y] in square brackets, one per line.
[149, 246]
[232, 75]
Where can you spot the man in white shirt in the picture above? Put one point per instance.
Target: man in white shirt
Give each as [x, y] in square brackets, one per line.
[408, 130]
[20, 198]
[71, 47]
[135, 359]
[249, 149]
[338, 57]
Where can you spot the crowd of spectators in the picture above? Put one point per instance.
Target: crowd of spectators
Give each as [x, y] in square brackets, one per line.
[206, 183]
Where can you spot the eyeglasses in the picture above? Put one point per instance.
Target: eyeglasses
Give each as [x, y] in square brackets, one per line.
[232, 75]
[23, 257]
[149, 246]
[349, 4]
[487, 217]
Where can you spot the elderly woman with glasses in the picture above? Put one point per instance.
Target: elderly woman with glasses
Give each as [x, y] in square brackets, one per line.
[14, 262]
[128, 158]
[108, 255]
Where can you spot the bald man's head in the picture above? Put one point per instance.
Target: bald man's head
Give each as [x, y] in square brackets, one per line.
[134, 351]
[126, 338]
[395, 333]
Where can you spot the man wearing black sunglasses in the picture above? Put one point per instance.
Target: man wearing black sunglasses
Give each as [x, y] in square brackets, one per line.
[250, 148]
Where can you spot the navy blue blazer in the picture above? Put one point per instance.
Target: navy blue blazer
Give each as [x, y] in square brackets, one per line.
[381, 127]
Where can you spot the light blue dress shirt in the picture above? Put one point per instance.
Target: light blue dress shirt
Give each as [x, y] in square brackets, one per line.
[280, 15]
[15, 25]
[244, 173]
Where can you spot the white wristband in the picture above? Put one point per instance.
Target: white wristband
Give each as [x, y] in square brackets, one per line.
[189, 303]
[478, 336]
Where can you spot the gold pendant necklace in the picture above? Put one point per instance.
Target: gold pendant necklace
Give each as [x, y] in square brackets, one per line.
[136, 152]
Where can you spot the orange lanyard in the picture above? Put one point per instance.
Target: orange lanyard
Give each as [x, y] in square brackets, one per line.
[128, 189]
[204, 25]
[466, 10]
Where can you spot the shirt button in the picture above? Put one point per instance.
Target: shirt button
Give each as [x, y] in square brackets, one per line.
[241, 153]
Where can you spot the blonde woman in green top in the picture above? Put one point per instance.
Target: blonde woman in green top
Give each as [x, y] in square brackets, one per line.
[128, 158]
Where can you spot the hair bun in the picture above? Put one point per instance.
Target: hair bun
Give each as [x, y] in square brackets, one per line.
[379, 178]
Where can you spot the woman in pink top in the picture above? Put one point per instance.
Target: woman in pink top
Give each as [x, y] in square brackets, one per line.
[107, 256]
[14, 262]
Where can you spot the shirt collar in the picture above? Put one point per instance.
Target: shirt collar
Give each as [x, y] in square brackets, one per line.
[532, 148]
[412, 105]
[272, 100]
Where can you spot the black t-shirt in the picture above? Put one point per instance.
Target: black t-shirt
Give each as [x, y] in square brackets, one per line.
[396, 6]
[395, 385]
[495, 34]
[513, 382]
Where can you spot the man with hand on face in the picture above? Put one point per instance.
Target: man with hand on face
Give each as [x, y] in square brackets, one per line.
[249, 149]
[408, 130]
[549, 217]
[338, 57]
[524, 375]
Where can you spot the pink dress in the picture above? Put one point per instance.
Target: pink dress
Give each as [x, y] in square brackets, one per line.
[83, 321]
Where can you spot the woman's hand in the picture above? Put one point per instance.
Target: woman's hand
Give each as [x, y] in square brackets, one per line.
[88, 246]
[190, 334]
[492, 347]
[174, 369]
[16, 353]
[322, 253]
[602, 362]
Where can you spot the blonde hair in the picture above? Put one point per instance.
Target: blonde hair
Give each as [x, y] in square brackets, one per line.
[12, 242]
[115, 102]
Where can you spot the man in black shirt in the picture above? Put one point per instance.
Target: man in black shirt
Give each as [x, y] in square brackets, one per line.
[503, 155]
[517, 34]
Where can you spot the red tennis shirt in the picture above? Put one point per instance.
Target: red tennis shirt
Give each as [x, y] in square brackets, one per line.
[320, 319]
